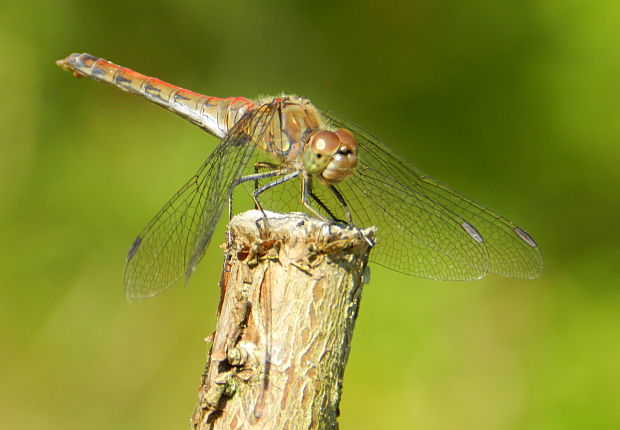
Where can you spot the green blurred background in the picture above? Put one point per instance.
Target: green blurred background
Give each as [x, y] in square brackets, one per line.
[514, 103]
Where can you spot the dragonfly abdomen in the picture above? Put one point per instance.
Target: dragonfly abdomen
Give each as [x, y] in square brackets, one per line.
[213, 114]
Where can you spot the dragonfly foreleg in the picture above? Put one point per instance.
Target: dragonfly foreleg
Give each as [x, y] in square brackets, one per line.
[342, 201]
[318, 201]
[306, 191]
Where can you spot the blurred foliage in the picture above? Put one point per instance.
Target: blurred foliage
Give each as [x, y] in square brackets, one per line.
[514, 103]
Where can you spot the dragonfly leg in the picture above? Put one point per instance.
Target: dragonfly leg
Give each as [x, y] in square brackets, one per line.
[238, 181]
[306, 191]
[283, 179]
[264, 188]
[263, 165]
[318, 201]
[280, 172]
[342, 201]
[258, 176]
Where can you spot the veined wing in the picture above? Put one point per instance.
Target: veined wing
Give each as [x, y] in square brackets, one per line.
[175, 240]
[425, 228]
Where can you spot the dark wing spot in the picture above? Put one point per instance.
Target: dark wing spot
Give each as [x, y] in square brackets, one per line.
[525, 237]
[471, 230]
[134, 248]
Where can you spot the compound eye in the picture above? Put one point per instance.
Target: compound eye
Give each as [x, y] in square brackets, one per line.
[325, 142]
[348, 145]
[346, 138]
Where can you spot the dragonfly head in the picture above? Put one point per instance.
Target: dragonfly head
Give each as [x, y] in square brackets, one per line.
[332, 155]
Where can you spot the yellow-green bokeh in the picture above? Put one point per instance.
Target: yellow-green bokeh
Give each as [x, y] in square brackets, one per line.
[514, 103]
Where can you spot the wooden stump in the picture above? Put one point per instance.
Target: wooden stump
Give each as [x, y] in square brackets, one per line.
[290, 296]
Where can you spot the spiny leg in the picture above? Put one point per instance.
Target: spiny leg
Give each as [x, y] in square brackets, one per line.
[323, 206]
[236, 182]
[283, 179]
[263, 165]
[255, 177]
[326, 209]
[268, 186]
[306, 190]
[342, 201]
[258, 176]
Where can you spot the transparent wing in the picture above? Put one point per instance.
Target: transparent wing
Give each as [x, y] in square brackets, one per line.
[426, 228]
[176, 238]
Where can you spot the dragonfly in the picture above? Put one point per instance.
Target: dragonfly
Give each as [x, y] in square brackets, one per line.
[301, 156]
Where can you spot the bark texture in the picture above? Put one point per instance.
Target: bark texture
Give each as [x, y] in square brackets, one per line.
[290, 296]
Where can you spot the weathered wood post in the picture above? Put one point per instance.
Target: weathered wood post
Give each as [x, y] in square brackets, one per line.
[290, 296]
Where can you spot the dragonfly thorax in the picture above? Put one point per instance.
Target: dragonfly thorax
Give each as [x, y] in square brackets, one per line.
[293, 119]
[297, 137]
